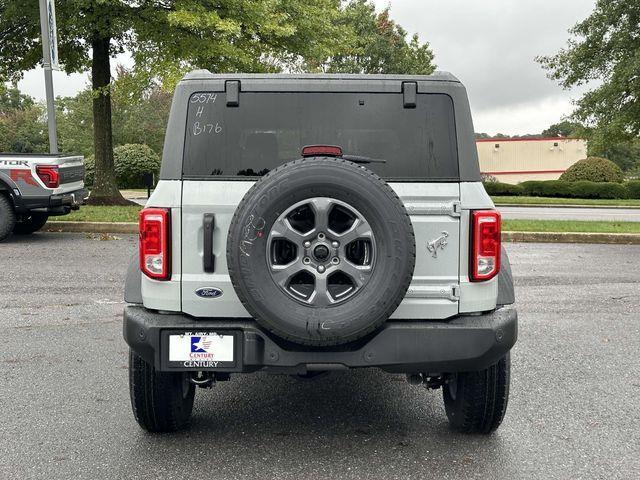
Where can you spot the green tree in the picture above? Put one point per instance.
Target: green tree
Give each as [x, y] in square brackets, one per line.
[139, 115]
[605, 48]
[165, 38]
[565, 128]
[74, 116]
[381, 45]
[624, 154]
[22, 127]
[12, 99]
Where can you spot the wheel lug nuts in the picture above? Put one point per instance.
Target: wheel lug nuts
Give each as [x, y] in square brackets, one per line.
[335, 260]
[335, 244]
[307, 244]
[320, 268]
[306, 260]
[321, 236]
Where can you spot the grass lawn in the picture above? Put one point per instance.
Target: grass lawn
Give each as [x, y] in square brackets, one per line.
[564, 201]
[569, 226]
[90, 213]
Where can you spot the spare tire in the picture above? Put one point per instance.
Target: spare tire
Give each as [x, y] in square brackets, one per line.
[321, 251]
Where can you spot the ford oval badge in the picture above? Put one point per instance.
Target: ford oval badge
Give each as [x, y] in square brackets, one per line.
[209, 292]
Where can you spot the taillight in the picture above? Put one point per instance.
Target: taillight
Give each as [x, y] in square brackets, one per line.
[155, 239]
[49, 175]
[485, 251]
[328, 150]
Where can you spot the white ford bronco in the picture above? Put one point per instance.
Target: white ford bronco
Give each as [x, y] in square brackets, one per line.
[310, 223]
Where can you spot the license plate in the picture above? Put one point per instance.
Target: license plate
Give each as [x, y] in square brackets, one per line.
[201, 350]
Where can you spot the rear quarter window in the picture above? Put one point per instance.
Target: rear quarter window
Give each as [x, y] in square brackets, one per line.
[269, 129]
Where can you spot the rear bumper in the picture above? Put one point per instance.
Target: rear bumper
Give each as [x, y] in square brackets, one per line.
[464, 343]
[59, 204]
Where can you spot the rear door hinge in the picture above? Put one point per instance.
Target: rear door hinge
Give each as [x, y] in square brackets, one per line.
[232, 89]
[456, 208]
[409, 94]
[455, 292]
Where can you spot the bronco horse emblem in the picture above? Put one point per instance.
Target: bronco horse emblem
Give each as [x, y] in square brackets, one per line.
[438, 243]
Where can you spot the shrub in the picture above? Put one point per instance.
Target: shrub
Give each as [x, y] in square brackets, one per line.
[593, 169]
[132, 161]
[585, 189]
[486, 178]
[548, 188]
[633, 173]
[89, 170]
[579, 189]
[633, 189]
[497, 188]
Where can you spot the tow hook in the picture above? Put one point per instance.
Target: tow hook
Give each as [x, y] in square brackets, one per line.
[432, 382]
[207, 379]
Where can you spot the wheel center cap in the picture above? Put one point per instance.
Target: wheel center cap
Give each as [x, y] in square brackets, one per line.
[321, 252]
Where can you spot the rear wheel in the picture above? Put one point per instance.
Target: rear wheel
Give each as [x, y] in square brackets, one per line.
[161, 401]
[30, 223]
[7, 217]
[476, 402]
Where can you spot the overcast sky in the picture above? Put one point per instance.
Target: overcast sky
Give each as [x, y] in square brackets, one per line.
[490, 45]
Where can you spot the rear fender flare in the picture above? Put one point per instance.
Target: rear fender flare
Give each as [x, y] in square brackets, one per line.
[7, 185]
[133, 281]
[506, 293]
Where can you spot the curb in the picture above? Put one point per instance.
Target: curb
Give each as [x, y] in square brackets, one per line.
[91, 227]
[537, 237]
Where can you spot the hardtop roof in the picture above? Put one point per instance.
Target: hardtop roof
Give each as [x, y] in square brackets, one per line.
[437, 76]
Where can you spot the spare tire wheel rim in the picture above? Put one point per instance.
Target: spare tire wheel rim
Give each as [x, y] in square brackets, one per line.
[321, 251]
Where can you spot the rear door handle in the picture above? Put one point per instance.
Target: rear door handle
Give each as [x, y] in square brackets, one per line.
[208, 258]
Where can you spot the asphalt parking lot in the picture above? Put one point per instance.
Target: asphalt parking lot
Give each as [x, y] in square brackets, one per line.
[574, 410]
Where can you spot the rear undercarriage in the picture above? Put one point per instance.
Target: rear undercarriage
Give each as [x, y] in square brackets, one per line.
[465, 342]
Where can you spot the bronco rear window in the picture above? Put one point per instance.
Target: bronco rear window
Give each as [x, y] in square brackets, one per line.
[269, 129]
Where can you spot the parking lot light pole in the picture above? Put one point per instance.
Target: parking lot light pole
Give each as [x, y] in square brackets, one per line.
[49, 61]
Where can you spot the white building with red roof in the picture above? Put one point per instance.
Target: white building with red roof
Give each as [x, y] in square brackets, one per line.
[515, 160]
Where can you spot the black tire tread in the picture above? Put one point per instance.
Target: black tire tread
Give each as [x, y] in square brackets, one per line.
[482, 399]
[7, 217]
[27, 226]
[157, 406]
